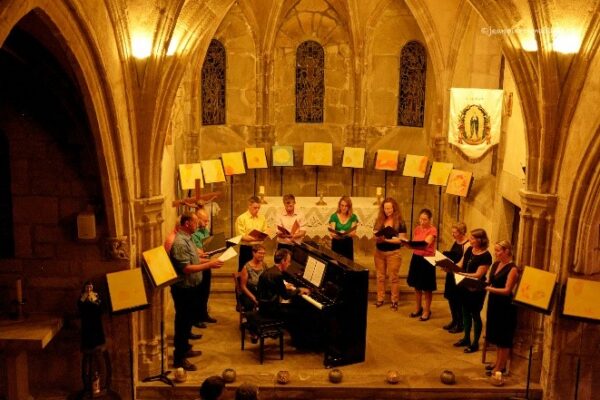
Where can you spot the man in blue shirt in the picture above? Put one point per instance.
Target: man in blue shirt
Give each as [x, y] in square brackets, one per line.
[185, 259]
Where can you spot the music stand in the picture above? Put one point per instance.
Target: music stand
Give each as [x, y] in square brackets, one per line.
[161, 273]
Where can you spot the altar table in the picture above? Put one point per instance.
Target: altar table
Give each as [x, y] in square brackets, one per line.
[317, 216]
[16, 339]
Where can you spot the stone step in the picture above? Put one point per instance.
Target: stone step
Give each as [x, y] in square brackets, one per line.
[222, 285]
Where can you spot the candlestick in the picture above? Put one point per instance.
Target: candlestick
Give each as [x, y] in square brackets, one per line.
[321, 202]
[19, 288]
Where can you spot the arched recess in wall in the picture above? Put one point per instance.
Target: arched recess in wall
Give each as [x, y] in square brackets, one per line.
[584, 215]
[321, 22]
[237, 33]
[390, 28]
[67, 28]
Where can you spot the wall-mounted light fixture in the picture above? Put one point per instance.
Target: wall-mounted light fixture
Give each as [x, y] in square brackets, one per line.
[141, 45]
[86, 224]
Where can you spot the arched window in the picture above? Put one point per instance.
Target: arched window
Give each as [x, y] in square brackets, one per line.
[310, 82]
[213, 84]
[7, 250]
[411, 99]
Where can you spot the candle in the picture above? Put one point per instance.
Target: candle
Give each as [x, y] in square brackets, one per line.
[261, 190]
[379, 191]
[19, 291]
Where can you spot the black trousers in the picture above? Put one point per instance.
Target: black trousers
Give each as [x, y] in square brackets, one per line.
[203, 294]
[185, 301]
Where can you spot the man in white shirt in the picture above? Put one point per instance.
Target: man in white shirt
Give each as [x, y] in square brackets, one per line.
[292, 221]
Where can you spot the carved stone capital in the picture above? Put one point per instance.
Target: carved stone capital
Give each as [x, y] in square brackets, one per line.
[537, 204]
[117, 248]
[148, 211]
[357, 135]
[440, 145]
[265, 134]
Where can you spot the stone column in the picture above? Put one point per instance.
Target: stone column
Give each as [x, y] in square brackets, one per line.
[148, 234]
[356, 136]
[535, 233]
[190, 146]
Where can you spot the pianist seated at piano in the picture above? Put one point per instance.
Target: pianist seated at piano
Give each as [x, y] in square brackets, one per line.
[274, 293]
[249, 277]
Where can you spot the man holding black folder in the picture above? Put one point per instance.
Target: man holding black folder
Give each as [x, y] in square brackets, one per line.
[198, 237]
[250, 225]
[185, 260]
[290, 224]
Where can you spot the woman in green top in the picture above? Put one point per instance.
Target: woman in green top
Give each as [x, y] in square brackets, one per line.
[344, 222]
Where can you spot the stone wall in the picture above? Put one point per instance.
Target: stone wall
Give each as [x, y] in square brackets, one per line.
[52, 181]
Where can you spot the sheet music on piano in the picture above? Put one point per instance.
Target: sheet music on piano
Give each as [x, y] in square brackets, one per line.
[314, 271]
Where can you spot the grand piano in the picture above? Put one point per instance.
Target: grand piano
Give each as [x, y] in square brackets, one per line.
[338, 300]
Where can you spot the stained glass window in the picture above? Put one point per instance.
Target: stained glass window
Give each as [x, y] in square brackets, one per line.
[310, 82]
[411, 100]
[213, 84]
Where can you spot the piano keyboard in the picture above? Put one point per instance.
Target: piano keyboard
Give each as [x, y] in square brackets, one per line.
[312, 301]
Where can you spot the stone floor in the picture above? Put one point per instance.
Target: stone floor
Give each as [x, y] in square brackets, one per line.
[419, 351]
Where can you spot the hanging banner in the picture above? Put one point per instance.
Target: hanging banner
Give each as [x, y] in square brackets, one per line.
[475, 120]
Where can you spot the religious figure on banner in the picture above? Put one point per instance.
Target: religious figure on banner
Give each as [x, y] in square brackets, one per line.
[474, 126]
[475, 132]
[475, 120]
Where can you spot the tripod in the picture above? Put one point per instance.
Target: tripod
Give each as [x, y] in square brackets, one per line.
[163, 376]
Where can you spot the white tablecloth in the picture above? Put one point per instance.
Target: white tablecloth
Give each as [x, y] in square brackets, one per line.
[317, 217]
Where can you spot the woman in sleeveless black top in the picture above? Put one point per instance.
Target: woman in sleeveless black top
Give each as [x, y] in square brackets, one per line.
[451, 292]
[501, 313]
[475, 264]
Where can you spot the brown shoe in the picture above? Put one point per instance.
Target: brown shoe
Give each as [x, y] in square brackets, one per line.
[193, 353]
[185, 364]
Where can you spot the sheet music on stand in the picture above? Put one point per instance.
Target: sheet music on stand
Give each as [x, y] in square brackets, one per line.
[314, 271]
[126, 290]
[159, 267]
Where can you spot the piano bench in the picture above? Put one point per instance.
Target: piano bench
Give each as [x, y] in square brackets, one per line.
[263, 328]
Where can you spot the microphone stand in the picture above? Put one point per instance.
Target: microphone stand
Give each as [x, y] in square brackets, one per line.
[164, 375]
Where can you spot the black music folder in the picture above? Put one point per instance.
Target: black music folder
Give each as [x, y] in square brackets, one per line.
[343, 233]
[471, 284]
[415, 244]
[258, 235]
[285, 233]
[214, 244]
[448, 264]
[388, 232]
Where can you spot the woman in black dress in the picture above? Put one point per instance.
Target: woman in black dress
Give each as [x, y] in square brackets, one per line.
[501, 313]
[475, 264]
[451, 293]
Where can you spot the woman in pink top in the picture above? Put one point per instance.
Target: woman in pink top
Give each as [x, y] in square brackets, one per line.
[421, 274]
